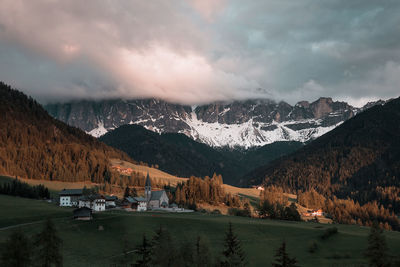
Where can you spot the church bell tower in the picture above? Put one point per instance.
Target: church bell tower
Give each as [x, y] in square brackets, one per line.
[147, 188]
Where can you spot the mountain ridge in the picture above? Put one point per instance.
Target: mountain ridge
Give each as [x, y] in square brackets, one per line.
[245, 124]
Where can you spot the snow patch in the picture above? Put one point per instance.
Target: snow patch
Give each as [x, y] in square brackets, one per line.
[99, 131]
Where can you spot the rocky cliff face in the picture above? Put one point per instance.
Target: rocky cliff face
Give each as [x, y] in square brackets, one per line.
[240, 123]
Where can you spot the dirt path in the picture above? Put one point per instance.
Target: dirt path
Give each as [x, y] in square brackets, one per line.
[18, 225]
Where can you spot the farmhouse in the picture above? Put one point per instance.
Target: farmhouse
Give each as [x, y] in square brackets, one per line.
[94, 202]
[83, 213]
[135, 203]
[155, 199]
[70, 197]
[313, 213]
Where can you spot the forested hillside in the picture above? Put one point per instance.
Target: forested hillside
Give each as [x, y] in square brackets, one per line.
[359, 159]
[35, 145]
[182, 156]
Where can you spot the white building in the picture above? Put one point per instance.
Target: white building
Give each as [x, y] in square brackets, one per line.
[70, 197]
[135, 203]
[94, 202]
[141, 204]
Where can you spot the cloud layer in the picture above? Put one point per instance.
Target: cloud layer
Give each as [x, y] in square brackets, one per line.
[199, 51]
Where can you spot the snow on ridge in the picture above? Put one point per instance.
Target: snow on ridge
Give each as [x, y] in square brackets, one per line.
[99, 131]
[246, 135]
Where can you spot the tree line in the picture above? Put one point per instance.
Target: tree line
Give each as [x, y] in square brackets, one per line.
[349, 211]
[22, 189]
[45, 249]
[208, 190]
[274, 204]
[162, 250]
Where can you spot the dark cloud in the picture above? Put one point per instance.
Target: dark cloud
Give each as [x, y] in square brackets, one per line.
[202, 50]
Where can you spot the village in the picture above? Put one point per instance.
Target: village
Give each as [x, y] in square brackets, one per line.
[154, 200]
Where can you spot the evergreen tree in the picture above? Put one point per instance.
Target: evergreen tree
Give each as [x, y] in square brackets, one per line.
[282, 259]
[127, 192]
[144, 253]
[233, 253]
[48, 246]
[16, 251]
[126, 256]
[134, 192]
[377, 248]
[202, 254]
[186, 255]
[162, 249]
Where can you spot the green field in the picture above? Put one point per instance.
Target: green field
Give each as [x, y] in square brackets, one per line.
[85, 245]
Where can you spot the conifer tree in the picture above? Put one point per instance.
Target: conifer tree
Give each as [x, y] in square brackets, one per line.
[186, 255]
[127, 192]
[48, 246]
[162, 249]
[377, 247]
[233, 254]
[144, 253]
[126, 256]
[201, 253]
[282, 259]
[16, 251]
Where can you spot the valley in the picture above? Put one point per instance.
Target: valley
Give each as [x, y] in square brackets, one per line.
[84, 243]
[274, 201]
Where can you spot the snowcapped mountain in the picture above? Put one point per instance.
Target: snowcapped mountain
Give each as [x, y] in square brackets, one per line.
[236, 124]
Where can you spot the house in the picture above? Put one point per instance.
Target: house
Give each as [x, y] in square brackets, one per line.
[135, 203]
[317, 212]
[70, 197]
[313, 213]
[111, 201]
[155, 199]
[94, 202]
[83, 213]
[141, 204]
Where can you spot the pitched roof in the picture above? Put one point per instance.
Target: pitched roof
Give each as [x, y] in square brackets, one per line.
[71, 192]
[131, 199]
[140, 199]
[91, 197]
[156, 195]
[111, 198]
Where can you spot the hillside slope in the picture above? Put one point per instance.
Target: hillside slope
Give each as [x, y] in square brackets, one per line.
[182, 156]
[35, 145]
[359, 159]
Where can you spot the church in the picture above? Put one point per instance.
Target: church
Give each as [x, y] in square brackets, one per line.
[155, 199]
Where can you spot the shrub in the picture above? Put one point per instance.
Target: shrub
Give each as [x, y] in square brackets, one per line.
[239, 212]
[329, 232]
[312, 247]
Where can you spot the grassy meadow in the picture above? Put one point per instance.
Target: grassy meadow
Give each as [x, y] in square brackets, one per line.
[86, 245]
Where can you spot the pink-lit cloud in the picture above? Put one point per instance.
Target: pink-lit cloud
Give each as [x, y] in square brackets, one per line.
[196, 51]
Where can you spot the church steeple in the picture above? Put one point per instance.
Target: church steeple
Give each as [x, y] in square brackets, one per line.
[147, 188]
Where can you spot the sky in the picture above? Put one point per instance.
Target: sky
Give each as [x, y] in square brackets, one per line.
[199, 51]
